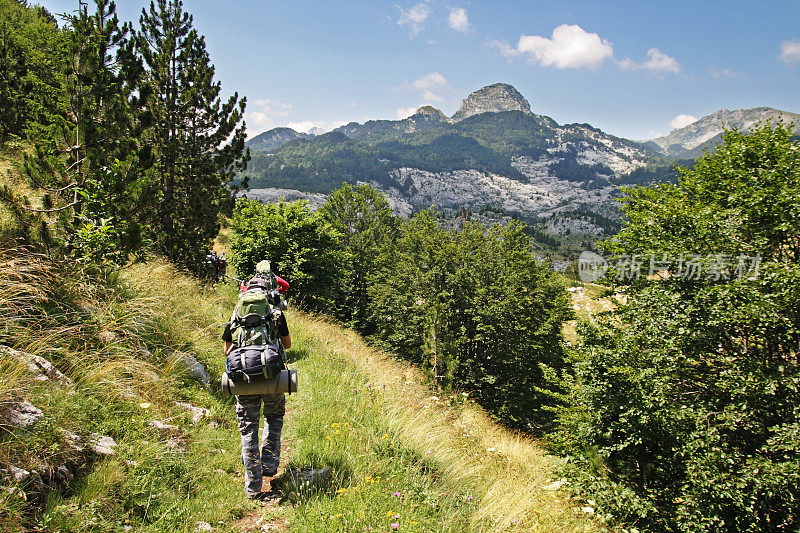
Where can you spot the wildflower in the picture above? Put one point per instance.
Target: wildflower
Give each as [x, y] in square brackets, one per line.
[469, 498]
[144, 405]
[395, 525]
[396, 517]
[396, 494]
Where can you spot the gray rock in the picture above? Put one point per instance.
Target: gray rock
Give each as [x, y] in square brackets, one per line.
[193, 368]
[272, 196]
[555, 485]
[493, 99]
[41, 368]
[102, 444]
[20, 475]
[198, 413]
[158, 424]
[73, 441]
[309, 478]
[109, 337]
[23, 415]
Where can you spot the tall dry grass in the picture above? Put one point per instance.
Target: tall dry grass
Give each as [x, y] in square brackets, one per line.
[508, 474]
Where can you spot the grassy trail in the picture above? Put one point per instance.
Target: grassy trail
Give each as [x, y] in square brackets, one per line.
[400, 455]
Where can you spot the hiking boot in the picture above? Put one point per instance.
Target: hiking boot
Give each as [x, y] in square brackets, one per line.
[258, 496]
[269, 472]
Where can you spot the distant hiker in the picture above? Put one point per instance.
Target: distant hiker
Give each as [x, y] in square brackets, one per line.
[263, 269]
[215, 266]
[263, 460]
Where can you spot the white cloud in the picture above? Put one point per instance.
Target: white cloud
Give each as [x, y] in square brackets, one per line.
[503, 47]
[657, 63]
[414, 17]
[303, 126]
[405, 112]
[681, 121]
[430, 81]
[457, 20]
[660, 63]
[790, 52]
[432, 86]
[570, 46]
[262, 114]
[315, 126]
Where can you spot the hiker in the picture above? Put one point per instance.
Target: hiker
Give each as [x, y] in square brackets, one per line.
[260, 461]
[264, 269]
[215, 266]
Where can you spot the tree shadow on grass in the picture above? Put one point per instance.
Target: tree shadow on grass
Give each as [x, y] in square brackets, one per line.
[302, 483]
[296, 354]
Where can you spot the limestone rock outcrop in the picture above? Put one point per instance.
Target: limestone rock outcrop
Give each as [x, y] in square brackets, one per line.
[493, 99]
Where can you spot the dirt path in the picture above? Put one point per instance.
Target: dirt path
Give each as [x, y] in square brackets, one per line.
[269, 516]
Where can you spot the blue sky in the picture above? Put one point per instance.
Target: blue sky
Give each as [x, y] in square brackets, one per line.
[632, 68]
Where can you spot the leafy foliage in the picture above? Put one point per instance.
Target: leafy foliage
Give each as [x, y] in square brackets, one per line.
[684, 409]
[32, 62]
[477, 310]
[363, 219]
[302, 247]
[132, 143]
[88, 158]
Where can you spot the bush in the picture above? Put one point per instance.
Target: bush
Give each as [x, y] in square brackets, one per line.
[477, 310]
[684, 411]
[302, 247]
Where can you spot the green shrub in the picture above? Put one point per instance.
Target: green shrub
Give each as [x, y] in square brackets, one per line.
[477, 310]
[684, 408]
[302, 247]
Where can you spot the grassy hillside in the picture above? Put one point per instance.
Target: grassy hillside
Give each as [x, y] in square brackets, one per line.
[399, 454]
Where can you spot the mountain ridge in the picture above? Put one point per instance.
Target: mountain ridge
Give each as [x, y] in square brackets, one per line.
[689, 141]
[498, 162]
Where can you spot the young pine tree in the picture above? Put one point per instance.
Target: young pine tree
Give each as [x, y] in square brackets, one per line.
[87, 162]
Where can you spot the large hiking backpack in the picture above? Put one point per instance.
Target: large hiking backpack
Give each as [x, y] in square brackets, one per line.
[254, 330]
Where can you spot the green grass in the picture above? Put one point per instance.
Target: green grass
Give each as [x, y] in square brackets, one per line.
[399, 454]
[120, 341]
[438, 463]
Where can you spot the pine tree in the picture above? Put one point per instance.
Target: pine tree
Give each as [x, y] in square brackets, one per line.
[88, 163]
[199, 140]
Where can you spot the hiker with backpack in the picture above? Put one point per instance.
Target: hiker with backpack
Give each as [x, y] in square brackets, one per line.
[256, 337]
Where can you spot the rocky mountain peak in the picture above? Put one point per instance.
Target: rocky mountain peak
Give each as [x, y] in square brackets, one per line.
[688, 141]
[430, 110]
[493, 99]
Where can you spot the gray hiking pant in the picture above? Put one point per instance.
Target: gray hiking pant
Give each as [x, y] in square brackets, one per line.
[267, 456]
